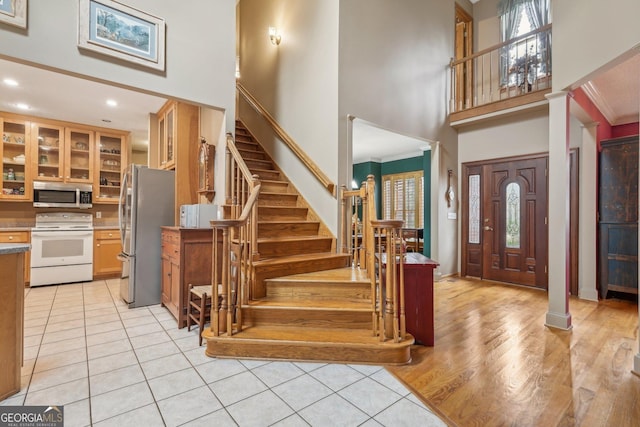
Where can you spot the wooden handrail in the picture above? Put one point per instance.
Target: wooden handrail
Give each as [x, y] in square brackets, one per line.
[295, 148]
[500, 45]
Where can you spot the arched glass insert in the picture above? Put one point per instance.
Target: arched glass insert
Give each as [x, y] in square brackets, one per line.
[513, 215]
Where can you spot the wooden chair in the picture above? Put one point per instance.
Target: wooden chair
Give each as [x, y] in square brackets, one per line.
[199, 308]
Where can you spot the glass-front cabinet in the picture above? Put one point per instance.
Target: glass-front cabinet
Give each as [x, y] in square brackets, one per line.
[48, 141]
[111, 158]
[78, 155]
[167, 135]
[16, 173]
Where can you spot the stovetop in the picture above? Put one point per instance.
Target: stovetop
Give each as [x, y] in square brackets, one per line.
[64, 221]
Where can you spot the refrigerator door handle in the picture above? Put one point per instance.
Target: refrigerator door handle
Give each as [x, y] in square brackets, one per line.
[122, 257]
[122, 206]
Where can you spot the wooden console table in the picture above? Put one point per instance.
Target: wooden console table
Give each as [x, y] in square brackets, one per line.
[11, 316]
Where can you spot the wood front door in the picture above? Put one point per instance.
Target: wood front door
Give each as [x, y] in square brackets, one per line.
[505, 221]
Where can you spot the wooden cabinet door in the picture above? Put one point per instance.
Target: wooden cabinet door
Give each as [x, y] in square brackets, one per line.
[47, 151]
[19, 237]
[17, 176]
[107, 246]
[78, 156]
[166, 282]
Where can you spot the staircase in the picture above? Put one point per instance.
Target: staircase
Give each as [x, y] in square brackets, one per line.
[307, 303]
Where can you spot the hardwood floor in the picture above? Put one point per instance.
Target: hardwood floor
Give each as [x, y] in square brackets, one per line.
[494, 362]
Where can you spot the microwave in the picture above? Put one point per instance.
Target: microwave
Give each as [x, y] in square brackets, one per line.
[61, 195]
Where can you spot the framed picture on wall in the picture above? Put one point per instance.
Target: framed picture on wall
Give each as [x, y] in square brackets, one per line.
[120, 31]
[14, 12]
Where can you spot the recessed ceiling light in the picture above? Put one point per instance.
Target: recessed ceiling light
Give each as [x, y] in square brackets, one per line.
[22, 106]
[112, 103]
[10, 82]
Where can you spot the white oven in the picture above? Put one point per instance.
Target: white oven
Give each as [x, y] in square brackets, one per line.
[61, 249]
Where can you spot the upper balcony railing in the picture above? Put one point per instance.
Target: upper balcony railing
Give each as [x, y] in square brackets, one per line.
[517, 67]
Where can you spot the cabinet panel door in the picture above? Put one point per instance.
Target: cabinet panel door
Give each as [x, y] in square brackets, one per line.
[15, 153]
[78, 164]
[48, 143]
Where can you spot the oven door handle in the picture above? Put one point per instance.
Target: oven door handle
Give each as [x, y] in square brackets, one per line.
[65, 233]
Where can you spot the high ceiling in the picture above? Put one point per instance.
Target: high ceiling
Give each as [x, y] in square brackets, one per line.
[615, 92]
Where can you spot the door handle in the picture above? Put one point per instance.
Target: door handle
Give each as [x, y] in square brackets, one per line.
[488, 228]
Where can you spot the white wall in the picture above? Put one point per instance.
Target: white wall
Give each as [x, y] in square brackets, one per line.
[297, 82]
[587, 34]
[394, 60]
[200, 50]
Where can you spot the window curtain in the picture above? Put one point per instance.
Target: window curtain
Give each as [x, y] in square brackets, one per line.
[539, 12]
[509, 12]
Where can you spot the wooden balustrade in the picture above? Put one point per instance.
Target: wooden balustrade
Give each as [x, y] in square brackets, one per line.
[232, 285]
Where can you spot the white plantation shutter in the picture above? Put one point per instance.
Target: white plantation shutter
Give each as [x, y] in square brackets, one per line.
[403, 198]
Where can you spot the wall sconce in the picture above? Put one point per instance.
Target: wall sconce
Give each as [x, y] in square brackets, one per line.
[274, 36]
[450, 195]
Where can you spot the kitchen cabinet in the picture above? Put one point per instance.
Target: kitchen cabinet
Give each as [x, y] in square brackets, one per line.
[185, 259]
[11, 318]
[16, 170]
[106, 247]
[111, 158]
[19, 237]
[179, 148]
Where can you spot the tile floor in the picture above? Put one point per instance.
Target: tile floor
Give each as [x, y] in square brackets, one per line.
[113, 366]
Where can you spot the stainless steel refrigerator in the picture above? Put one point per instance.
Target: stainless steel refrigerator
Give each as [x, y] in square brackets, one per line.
[147, 202]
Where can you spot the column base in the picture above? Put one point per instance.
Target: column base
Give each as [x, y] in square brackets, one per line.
[559, 321]
[588, 294]
[636, 365]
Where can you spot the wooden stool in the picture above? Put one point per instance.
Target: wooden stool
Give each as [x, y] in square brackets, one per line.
[199, 309]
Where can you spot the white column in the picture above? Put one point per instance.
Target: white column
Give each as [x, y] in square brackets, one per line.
[587, 255]
[558, 315]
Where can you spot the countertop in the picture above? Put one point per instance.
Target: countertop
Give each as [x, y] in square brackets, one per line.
[14, 248]
[27, 227]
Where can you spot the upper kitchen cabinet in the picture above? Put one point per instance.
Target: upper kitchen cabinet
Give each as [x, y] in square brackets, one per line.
[16, 173]
[79, 152]
[47, 160]
[167, 135]
[110, 160]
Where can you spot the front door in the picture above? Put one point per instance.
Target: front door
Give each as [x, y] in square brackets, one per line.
[505, 218]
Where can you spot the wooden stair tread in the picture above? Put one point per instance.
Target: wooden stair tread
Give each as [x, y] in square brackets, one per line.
[351, 337]
[292, 239]
[347, 274]
[317, 305]
[299, 258]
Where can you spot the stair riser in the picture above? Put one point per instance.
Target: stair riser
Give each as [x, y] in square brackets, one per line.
[275, 187]
[312, 352]
[281, 214]
[258, 164]
[353, 292]
[252, 154]
[265, 174]
[326, 318]
[242, 145]
[278, 200]
[289, 248]
[291, 229]
[264, 272]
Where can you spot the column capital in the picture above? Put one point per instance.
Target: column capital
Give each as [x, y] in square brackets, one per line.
[557, 94]
[590, 125]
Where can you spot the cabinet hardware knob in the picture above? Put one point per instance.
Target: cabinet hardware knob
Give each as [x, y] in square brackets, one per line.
[10, 237]
[110, 234]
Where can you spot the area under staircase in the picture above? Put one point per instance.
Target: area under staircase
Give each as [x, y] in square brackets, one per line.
[305, 300]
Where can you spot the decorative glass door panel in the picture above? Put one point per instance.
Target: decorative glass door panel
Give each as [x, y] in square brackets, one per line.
[16, 179]
[49, 161]
[79, 156]
[110, 161]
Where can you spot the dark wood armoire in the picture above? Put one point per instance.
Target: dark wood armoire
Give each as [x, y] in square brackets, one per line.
[618, 216]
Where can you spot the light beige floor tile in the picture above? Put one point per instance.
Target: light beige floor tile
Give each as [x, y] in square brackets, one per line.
[276, 373]
[197, 356]
[104, 327]
[405, 413]
[138, 321]
[106, 337]
[102, 312]
[27, 367]
[58, 360]
[188, 406]
[336, 377]
[34, 330]
[63, 326]
[145, 329]
[334, 410]
[61, 394]
[175, 383]
[262, 409]
[219, 418]
[130, 313]
[114, 347]
[31, 322]
[219, 369]
[114, 361]
[57, 376]
[32, 340]
[119, 401]
[385, 378]
[238, 387]
[141, 417]
[369, 396]
[296, 420]
[165, 365]
[51, 337]
[301, 391]
[188, 343]
[77, 414]
[115, 379]
[149, 339]
[61, 346]
[66, 317]
[103, 318]
[30, 352]
[156, 351]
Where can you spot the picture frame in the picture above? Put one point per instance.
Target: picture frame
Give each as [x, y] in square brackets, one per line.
[14, 12]
[120, 31]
